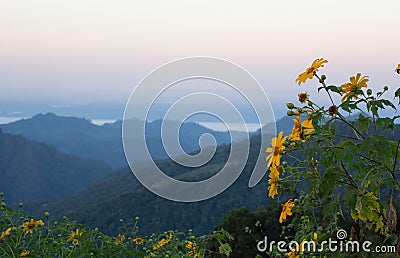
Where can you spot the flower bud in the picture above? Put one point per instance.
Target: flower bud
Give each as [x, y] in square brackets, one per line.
[20, 204]
[289, 105]
[333, 110]
[284, 163]
[46, 214]
[290, 113]
[385, 88]
[303, 97]
[323, 77]
[369, 92]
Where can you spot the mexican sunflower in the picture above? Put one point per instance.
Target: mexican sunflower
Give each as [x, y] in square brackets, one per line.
[274, 158]
[295, 135]
[356, 83]
[138, 240]
[309, 73]
[273, 182]
[286, 210]
[30, 225]
[73, 237]
[4, 234]
[163, 242]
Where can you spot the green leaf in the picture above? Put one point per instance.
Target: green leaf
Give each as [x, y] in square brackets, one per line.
[363, 123]
[397, 94]
[225, 249]
[385, 123]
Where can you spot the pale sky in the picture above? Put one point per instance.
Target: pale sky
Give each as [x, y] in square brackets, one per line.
[75, 55]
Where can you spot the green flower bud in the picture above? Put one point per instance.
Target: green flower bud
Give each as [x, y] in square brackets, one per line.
[284, 163]
[46, 214]
[290, 113]
[3, 204]
[20, 204]
[385, 88]
[369, 92]
[289, 105]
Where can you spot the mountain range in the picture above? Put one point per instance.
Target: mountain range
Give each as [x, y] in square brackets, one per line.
[80, 137]
[58, 185]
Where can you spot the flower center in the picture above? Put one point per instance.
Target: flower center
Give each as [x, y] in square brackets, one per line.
[310, 70]
[276, 151]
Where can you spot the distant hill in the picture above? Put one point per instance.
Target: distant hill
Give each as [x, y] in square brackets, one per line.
[33, 172]
[122, 196]
[80, 137]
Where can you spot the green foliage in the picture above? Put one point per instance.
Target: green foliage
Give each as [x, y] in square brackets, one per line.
[249, 227]
[344, 169]
[23, 236]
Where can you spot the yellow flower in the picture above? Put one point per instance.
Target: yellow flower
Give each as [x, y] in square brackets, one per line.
[119, 239]
[30, 225]
[356, 83]
[163, 242]
[24, 254]
[72, 237]
[273, 182]
[193, 247]
[286, 210]
[307, 128]
[295, 135]
[274, 158]
[398, 69]
[138, 240]
[309, 73]
[293, 254]
[301, 130]
[4, 234]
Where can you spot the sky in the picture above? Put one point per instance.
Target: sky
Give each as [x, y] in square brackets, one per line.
[84, 57]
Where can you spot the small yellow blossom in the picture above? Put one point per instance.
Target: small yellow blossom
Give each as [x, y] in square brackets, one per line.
[193, 249]
[309, 73]
[273, 182]
[356, 83]
[274, 158]
[163, 242]
[73, 236]
[398, 69]
[293, 254]
[307, 128]
[286, 210]
[301, 130]
[30, 225]
[24, 254]
[119, 240]
[138, 240]
[295, 135]
[4, 234]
